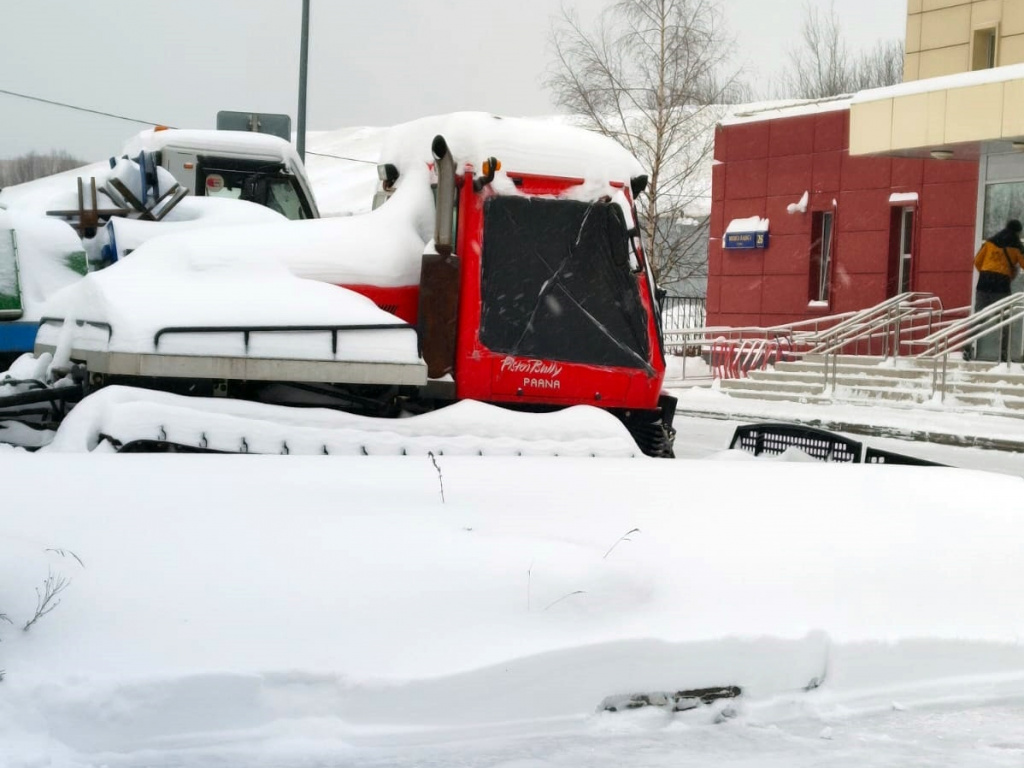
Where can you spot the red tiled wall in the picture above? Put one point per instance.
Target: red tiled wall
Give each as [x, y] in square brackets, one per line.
[764, 166]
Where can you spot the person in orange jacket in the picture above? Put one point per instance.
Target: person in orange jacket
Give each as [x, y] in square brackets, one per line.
[997, 262]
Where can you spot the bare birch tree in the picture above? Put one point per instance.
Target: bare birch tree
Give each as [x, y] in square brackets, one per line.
[822, 65]
[647, 75]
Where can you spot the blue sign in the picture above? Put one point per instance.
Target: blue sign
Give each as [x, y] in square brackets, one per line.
[18, 336]
[746, 240]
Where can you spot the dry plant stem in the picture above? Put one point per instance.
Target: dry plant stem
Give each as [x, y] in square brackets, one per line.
[440, 479]
[66, 553]
[563, 597]
[46, 600]
[622, 538]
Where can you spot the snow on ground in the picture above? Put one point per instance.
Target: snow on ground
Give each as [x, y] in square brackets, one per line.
[929, 430]
[340, 611]
[934, 419]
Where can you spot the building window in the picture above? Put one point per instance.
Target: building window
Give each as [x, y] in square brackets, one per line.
[1002, 201]
[984, 45]
[901, 248]
[821, 255]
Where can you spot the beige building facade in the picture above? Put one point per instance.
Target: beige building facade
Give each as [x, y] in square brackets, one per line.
[961, 101]
[946, 37]
[962, 94]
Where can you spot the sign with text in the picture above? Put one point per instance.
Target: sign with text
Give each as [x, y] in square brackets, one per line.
[743, 241]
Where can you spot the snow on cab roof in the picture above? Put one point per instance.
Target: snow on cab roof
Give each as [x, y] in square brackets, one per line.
[240, 142]
[526, 145]
[771, 110]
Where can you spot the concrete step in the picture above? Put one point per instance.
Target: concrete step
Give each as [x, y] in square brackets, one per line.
[868, 378]
[772, 384]
[984, 387]
[876, 394]
[754, 394]
[814, 369]
[846, 359]
[988, 402]
[1013, 379]
[954, 361]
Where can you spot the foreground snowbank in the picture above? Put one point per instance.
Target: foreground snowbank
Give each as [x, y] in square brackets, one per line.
[256, 598]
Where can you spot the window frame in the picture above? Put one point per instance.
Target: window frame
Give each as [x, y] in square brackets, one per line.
[821, 256]
[984, 48]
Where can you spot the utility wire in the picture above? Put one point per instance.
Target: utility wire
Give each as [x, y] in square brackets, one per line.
[79, 109]
[149, 122]
[341, 157]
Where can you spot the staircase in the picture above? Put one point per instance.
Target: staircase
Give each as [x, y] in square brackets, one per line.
[864, 380]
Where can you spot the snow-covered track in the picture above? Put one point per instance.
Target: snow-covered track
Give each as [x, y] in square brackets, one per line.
[124, 418]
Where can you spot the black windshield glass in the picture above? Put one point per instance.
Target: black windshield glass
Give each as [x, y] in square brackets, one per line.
[557, 283]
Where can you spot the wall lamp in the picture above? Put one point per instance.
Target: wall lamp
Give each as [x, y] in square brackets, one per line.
[941, 154]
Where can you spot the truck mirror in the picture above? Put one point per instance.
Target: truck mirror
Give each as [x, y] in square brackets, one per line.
[388, 175]
[637, 185]
[490, 166]
[445, 201]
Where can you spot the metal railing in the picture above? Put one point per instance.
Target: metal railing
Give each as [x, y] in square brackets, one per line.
[883, 329]
[956, 336]
[681, 312]
[884, 322]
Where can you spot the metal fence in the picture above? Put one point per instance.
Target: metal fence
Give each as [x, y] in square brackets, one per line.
[682, 312]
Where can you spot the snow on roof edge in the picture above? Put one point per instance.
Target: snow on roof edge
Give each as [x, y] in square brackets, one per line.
[771, 110]
[931, 84]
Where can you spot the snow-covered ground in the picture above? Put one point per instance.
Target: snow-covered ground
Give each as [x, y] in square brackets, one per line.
[929, 431]
[321, 611]
[329, 610]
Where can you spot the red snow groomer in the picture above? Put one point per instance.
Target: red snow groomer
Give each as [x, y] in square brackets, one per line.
[537, 295]
[534, 292]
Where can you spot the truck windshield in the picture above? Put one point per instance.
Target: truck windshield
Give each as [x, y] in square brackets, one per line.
[259, 183]
[557, 283]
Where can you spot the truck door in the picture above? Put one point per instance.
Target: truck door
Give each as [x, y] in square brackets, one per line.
[182, 166]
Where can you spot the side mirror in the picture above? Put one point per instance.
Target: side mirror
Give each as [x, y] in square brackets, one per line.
[444, 207]
[637, 185]
[388, 175]
[491, 165]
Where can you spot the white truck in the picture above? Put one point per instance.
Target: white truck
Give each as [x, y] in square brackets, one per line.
[55, 229]
[257, 167]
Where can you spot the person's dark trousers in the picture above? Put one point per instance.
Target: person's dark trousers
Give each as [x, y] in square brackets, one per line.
[983, 299]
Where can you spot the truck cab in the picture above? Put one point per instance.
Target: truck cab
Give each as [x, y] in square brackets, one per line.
[256, 167]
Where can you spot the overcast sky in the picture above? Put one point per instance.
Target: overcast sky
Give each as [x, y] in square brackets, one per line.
[371, 63]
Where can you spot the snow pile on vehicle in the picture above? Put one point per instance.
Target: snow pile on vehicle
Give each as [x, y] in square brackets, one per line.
[467, 428]
[126, 235]
[264, 603]
[212, 142]
[523, 145]
[342, 168]
[382, 248]
[46, 256]
[209, 278]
